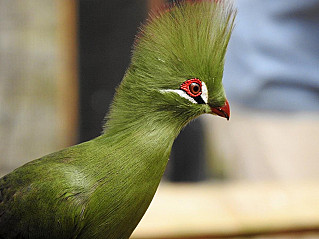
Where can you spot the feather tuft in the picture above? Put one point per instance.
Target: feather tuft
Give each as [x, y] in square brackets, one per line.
[186, 39]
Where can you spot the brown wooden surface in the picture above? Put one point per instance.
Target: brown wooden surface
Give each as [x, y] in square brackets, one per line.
[232, 210]
[67, 77]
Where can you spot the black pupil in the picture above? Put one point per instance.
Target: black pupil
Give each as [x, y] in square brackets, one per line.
[194, 88]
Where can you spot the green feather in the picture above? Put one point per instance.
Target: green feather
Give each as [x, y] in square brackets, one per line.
[102, 188]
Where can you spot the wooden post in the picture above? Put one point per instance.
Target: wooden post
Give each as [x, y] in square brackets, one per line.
[67, 83]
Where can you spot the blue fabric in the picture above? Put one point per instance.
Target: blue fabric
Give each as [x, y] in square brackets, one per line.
[273, 57]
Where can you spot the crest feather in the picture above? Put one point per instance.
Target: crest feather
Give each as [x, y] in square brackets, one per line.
[184, 40]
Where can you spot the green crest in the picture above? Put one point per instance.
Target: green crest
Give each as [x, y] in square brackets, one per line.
[184, 41]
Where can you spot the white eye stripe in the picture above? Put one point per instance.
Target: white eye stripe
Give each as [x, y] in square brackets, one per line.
[183, 94]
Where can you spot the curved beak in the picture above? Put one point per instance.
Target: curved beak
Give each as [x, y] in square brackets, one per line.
[223, 111]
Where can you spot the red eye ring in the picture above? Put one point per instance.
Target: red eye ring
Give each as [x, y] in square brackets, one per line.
[192, 87]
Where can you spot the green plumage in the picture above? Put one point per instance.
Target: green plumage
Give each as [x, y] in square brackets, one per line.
[102, 188]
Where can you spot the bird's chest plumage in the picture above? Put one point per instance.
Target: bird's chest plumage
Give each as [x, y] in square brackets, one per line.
[118, 203]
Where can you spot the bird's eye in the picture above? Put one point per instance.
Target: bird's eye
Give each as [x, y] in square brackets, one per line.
[192, 87]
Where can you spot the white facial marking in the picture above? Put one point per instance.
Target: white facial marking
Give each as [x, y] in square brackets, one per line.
[180, 93]
[204, 94]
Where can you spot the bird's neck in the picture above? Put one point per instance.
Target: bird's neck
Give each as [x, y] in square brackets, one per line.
[127, 163]
[139, 133]
[139, 120]
[147, 135]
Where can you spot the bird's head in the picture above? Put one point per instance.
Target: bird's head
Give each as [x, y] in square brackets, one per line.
[178, 60]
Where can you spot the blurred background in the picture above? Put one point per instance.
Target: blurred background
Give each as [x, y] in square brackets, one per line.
[255, 176]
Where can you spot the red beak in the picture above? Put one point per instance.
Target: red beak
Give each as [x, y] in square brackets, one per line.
[223, 111]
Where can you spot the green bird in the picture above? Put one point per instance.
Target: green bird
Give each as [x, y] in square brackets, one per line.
[102, 188]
